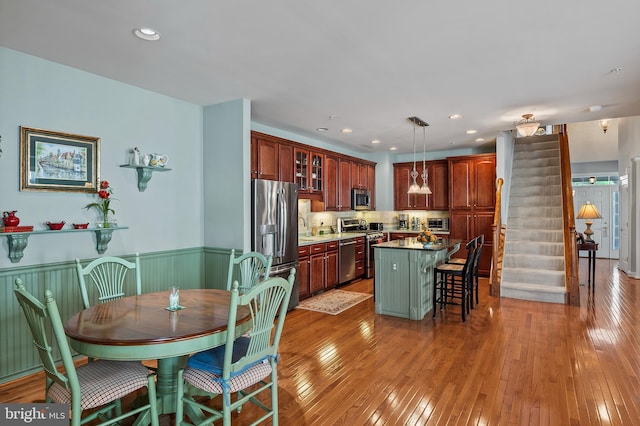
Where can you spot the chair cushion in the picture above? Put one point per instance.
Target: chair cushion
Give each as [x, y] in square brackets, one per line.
[457, 260]
[213, 359]
[211, 382]
[102, 382]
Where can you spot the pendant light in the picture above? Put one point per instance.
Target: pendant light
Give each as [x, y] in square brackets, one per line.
[424, 189]
[528, 126]
[414, 188]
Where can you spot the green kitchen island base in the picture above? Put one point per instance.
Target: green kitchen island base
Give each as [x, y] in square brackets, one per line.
[404, 277]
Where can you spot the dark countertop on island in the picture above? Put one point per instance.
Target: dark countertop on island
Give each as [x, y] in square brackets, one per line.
[412, 244]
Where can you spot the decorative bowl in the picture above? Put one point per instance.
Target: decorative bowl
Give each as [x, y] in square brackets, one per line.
[56, 226]
[80, 225]
[427, 245]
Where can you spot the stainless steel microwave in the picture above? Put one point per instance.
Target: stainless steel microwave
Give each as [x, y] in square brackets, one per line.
[438, 224]
[360, 199]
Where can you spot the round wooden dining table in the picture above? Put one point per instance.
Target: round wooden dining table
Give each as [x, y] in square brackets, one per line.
[141, 328]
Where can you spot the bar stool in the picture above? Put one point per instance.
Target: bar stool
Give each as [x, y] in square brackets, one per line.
[452, 283]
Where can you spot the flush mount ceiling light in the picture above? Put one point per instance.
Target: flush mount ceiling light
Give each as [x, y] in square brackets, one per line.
[527, 126]
[455, 116]
[604, 125]
[346, 130]
[595, 108]
[375, 141]
[471, 132]
[479, 139]
[146, 33]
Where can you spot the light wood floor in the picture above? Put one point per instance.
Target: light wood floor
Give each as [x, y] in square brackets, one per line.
[512, 362]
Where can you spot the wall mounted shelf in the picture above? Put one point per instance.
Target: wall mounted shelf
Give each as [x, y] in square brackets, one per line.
[144, 174]
[18, 240]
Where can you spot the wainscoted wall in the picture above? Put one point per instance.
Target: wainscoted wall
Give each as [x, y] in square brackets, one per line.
[188, 268]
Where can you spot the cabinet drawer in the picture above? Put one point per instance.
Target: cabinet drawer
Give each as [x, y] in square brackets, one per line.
[318, 248]
[359, 251]
[332, 245]
[360, 240]
[303, 251]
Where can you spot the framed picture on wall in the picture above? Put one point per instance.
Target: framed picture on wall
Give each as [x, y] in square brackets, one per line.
[56, 161]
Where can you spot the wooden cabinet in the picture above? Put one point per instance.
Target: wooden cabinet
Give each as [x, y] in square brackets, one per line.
[472, 202]
[303, 271]
[331, 265]
[359, 175]
[439, 184]
[437, 179]
[337, 196]
[309, 173]
[371, 179]
[360, 254]
[266, 161]
[401, 235]
[324, 177]
[323, 266]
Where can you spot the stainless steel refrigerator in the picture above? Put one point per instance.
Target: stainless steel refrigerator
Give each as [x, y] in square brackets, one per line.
[274, 232]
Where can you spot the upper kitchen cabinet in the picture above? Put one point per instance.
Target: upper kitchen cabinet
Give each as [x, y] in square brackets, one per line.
[371, 178]
[437, 178]
[472, 182]
[265, 164]
[309, 172]
[359, 175]
[325, 177]
[271, 160]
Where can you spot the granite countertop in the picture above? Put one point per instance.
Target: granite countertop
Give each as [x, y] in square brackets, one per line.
[414, 245]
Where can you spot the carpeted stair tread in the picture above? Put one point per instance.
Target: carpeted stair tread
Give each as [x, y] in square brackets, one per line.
[533, 266]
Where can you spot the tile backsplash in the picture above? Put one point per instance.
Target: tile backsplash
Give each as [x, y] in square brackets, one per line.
[325, 220]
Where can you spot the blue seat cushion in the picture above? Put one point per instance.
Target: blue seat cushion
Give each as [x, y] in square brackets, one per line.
[212, 360]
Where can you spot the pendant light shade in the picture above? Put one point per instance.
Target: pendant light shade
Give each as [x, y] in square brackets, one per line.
[415, 188]
[424, 189]
[527, 126]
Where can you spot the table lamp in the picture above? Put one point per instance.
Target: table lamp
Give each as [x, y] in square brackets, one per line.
[588, 211]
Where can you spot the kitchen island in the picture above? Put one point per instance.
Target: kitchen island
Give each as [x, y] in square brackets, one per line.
[404, 276]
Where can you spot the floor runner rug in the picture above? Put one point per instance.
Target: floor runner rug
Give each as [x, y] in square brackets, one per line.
[333, 302]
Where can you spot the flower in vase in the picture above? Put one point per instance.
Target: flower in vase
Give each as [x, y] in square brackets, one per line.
[104, 203]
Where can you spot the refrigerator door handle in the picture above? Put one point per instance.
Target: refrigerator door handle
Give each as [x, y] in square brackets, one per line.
[282, 232]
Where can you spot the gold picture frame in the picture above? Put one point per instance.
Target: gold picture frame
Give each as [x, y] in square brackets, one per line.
[58, 161]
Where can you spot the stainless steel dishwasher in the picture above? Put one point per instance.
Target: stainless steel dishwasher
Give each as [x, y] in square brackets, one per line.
[347, 260]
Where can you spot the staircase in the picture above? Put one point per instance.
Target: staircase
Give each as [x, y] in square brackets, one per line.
[533, 261]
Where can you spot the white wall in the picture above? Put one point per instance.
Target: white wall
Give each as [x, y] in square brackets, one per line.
[629, 155]
[42, 94]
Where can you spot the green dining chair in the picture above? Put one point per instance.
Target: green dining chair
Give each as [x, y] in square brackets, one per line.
[241, 363]
[97, 385]
[108, 274]
[253, 267]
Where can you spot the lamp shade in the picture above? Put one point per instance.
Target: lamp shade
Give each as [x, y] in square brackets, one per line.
[589, 211]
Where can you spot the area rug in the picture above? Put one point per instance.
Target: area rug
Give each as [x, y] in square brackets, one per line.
[333, 302]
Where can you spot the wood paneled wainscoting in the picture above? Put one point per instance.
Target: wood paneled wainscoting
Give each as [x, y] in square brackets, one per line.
[512, 362]
[189, 268]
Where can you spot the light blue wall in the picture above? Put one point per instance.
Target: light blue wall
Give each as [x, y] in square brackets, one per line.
[38, 93]
[227, 175]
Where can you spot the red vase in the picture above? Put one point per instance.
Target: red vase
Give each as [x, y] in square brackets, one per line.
[10, 218]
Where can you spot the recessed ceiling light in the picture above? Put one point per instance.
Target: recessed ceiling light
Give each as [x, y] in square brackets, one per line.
[322, 129]
[480, 140]
[148, 34]
[616, 70]
[375, 141]
[595, 108]
[393, 148]
[346, 130]
[471, 131]
[455, 116]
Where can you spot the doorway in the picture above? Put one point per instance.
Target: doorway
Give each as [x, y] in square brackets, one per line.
[606, 231]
